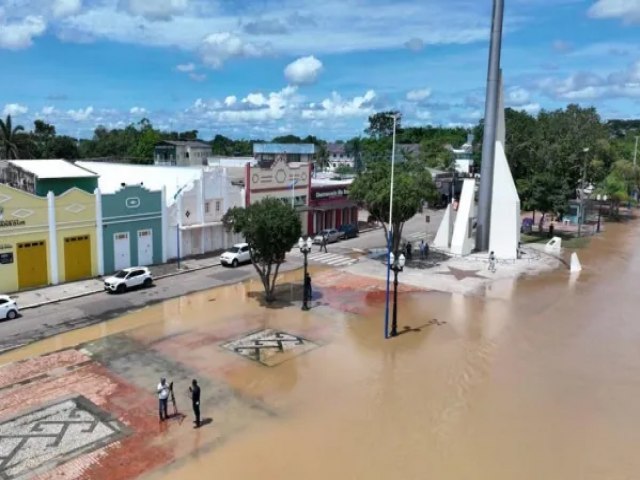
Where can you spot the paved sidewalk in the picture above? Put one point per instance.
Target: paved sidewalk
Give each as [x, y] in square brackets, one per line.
[67, 291]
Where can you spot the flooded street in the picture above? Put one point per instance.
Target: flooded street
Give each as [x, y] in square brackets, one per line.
[536, 379]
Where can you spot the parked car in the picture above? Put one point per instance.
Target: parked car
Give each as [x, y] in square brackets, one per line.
[332, 235]
[127, 278]
[348, 230]
[8, 308]
[236, 255]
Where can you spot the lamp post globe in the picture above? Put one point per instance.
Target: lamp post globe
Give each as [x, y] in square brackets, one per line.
[397, 265]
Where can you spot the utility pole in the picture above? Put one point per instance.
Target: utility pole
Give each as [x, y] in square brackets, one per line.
[582, 187]
[490, 128]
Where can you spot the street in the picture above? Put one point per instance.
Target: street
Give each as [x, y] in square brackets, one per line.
[48, 320]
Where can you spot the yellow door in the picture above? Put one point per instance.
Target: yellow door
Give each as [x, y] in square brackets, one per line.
[32, 264]
[77, 258]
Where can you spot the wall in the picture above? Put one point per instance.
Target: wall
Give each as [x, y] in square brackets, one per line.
[60, 185]
[131, 209]
[24, 218]
[75, 216]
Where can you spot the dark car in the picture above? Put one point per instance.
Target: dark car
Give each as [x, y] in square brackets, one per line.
[348, 231]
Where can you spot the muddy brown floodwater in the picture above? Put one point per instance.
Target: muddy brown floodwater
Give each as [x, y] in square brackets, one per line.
[538, 378]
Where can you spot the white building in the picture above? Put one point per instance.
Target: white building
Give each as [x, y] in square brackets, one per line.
[464, 156]
[196, 200]
[338, 157]
[181, 153]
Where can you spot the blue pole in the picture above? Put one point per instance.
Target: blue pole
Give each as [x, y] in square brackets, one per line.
[178, 243]
[386, 309]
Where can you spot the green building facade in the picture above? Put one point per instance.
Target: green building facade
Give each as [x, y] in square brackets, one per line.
[132, 220]
[60, 185]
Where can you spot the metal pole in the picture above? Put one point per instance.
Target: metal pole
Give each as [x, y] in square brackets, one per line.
[490, 125]
[390, 239]
[584, 181]
[635, 152]
[394, 323]
[305, 306]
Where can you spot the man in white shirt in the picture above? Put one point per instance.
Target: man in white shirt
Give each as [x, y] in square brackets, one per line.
[163, 398]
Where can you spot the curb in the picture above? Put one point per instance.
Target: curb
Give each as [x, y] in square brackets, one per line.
[93, 292]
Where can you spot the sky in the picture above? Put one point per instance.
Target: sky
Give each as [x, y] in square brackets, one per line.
[261, 68]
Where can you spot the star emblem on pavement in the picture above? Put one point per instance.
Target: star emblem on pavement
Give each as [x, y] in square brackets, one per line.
[461, 274]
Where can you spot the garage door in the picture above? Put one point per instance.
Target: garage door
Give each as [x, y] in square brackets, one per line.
[121, 250]
[32, 264]
[77, 258]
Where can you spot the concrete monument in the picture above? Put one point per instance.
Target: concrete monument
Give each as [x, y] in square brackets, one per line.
[461, 242]
[576, 266]
[445, 231]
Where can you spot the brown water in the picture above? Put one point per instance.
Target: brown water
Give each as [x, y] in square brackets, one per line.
[539, 379]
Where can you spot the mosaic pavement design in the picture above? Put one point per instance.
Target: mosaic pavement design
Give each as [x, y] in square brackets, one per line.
[52, 435]
[270, 347]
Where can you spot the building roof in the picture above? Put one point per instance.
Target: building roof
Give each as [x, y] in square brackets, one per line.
[336, 148]
[152, 177]
[293, 148]
[185, 143]
[53, 168]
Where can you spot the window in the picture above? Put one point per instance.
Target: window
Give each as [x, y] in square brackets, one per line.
[3, 301]
[217, 205]
[206, 207]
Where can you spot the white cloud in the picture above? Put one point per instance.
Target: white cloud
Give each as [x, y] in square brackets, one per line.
[64, 8]
[627, 10]
[197, 77]
[561, 46]
[80, 114]
[530, 108]
[418, 95]
[230, 100]
[186, 67]
[217, 48]
[14, 109]
[138, 111]
[49, 110]
[414, 44]
[517, 96]
[336, 106]
[154, 9]
[19, 34]
[303, 71]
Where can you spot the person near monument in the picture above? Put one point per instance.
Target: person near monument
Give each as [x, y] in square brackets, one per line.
[194, 393]
[409, 250]
[163, 399]
[492, 262]
[422, 247]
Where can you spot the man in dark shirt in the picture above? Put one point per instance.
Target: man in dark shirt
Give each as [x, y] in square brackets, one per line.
[194, 393]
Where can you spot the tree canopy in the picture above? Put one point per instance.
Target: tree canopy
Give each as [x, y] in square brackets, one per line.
[271, 227]
[413, 185]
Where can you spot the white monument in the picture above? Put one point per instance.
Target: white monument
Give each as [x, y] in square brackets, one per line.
[504, 235]
[445, 231]
[555, 244]
[576, 266]
[461, 242]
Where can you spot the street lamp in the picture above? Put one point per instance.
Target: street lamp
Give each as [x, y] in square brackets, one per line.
[391, 232]
[582, 190]
[397, 265]
[305, 248]
[604, 198]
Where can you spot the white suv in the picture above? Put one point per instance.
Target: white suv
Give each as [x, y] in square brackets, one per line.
[8, 308]
[128, 278]
[236, 255]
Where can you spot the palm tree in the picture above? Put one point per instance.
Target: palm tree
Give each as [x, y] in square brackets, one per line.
[322, 156]
[8, 140]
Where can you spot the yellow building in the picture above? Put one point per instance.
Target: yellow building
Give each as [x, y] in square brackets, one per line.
[48, 240]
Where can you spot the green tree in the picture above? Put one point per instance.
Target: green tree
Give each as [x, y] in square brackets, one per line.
[353, 148]
[413, 185]
[344, 170]
[381, 124]
[287, 139]
[9, 139]
[322, 156]
[270, 227]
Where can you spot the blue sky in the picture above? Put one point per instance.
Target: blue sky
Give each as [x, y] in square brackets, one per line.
[259, 68]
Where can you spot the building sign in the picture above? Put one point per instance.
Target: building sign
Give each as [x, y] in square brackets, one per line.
[132, 202]
[6, 258]
[280, 175]
[340, 192]
[12, 223]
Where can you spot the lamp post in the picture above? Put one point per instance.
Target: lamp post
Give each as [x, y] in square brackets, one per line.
[390, 240]
[604, 198]
[397, 265]
[305, 248]
[582, 190]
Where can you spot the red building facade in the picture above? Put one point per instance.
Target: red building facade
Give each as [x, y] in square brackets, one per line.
[330, 206]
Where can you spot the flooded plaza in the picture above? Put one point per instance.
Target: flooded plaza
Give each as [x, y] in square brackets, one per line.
[535, 378]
